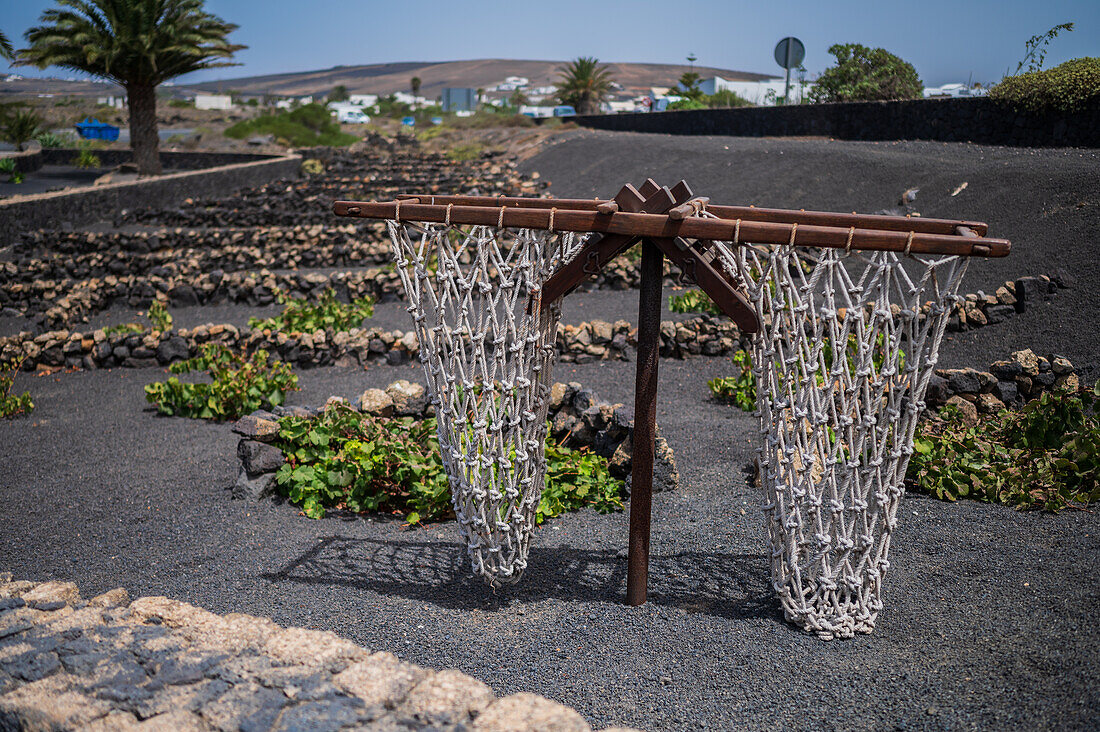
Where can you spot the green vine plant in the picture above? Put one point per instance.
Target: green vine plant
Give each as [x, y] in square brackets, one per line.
[692, 301]
[302, 316]
[238, 385]
[739, 389]
[159, 318]
[1045, 455]
[12, 405]
[343, 459]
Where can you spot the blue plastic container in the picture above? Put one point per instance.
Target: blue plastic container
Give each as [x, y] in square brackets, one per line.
[93, 129]
[408, 121]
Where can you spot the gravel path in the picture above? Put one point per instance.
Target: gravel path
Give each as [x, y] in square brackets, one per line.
[990, 619]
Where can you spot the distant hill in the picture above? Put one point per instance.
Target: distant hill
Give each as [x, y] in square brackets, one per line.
[434, 76]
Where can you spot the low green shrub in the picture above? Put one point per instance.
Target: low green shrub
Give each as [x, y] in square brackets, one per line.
[313, 166]
[7, 165]
[465, 152]
[53, 139]
[1065, 88]
[692, 301]
[307, 126]
[1045, 455]
[238, 385]
[159, 318]
[739, 389]
[124, 329]
[158, 315]
[12, 405]
[85, 158]
[302, 316]
[344, 459]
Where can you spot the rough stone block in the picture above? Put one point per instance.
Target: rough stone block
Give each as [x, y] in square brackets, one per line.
[967, 410]
[258, 457]
[376, 402]
[447, 698]
[381, 679]
[409, 399]
[255, 428]
[253, 488]
[529, 713]
[52, 595]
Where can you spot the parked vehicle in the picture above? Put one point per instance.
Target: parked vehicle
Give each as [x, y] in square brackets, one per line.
[564, 110]
[353, 116]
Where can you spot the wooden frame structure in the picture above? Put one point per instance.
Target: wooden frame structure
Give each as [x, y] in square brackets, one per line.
[667, 223]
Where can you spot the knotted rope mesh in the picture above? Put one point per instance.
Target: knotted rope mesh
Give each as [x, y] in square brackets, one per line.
[847, 345]
[487, 347]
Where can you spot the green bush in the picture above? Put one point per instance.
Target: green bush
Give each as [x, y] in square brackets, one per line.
[307, 126]
[12, 405]
[465, 152]
[1065, 88]
[739, 389]
[7, 165]
[85, 158]
[692, 301]
[863, 74]
[20, 126]
[158, 315]
[726, 98]
[1045, 455]
[238, 385]
[344, 459]
[302, 316]
[53, 139]
[686, 104]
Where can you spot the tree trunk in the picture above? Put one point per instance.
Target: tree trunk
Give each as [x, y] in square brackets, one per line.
[143, 128]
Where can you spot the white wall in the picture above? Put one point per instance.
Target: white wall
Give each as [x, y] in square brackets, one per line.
[213, 101]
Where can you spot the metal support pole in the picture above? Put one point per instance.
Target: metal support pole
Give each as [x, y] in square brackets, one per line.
[645, 420]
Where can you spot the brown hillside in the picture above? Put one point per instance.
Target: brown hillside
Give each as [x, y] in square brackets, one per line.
[434, 76]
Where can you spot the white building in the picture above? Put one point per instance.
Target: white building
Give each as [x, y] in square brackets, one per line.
[363, 100]
[213, 101]
[761, 93]
[112, 101]
[955, 90]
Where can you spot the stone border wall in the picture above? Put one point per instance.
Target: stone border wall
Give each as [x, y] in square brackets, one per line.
[170, 159]
[977, 120]
[86, 205]
[595, 340]
[155, 663]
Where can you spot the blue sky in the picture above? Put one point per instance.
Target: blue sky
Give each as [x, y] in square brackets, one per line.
[946, 40]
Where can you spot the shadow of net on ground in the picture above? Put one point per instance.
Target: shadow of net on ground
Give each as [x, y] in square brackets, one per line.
[727, 585]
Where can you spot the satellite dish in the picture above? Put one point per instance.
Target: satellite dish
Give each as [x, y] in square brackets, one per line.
[789, 53]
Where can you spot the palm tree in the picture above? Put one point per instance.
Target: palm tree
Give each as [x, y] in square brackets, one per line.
[137, 44]
[6, 50]
[584, 84]
[414, 83]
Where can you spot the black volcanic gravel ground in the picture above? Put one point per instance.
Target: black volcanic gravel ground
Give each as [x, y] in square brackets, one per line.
[991, 614]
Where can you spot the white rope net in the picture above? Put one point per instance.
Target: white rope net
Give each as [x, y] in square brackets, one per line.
[847, 345]
[488, 350]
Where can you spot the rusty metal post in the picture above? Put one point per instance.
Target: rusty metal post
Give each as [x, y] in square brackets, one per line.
[645, 420]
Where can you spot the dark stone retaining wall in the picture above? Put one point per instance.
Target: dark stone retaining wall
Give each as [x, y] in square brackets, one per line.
[86, 205]
[26, 161]
[171, 160]
[156, 663]
[948, 120]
